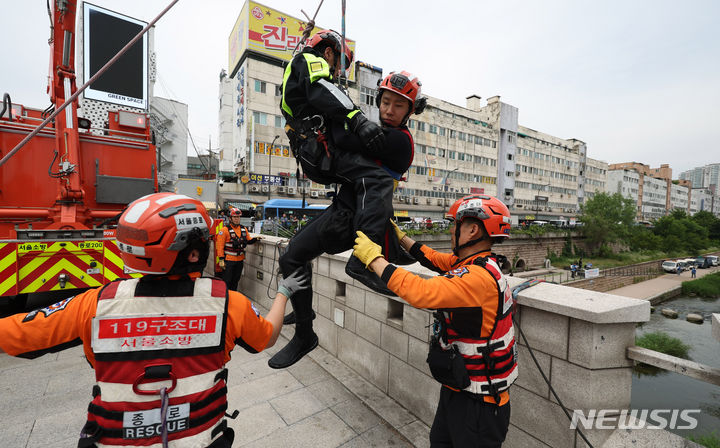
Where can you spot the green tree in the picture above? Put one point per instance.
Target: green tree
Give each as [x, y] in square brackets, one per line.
[681, 234]
[710, 222]
[607, 218]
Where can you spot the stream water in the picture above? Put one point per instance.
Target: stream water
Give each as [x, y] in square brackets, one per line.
[668, 390]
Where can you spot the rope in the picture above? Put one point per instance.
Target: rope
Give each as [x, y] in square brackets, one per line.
[308, 29]
[515, 292]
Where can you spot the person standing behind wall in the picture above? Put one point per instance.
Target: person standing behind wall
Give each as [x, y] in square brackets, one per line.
[230, 247]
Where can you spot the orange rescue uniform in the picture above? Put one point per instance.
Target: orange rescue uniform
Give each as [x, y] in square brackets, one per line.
[223, 243]
[69, 323]
[463, 285]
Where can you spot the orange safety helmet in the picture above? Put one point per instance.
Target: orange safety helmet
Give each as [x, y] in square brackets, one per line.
[156, 233]
[490, 211]
[336, 43]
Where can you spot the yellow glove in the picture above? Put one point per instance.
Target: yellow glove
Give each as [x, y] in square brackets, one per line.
[400, 234]
[221, 264]
[365, 250]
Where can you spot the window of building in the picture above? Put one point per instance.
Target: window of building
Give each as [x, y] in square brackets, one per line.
[278, 90]
[367, 95]
[441, 131]
[411, 124]
[279, 121]
[494, 143]
[421, 126]
[260, 118]
[453, 133]
[433, 129]
[510, 157]
[451, 154]
[260, 86]
[441, 152]
[461, 136]
[431, 150]
[461, 156]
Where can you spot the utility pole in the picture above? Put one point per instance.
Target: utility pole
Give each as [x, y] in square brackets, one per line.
[272, 145]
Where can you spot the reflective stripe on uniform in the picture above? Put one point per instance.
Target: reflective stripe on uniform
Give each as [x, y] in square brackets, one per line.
[185, 386]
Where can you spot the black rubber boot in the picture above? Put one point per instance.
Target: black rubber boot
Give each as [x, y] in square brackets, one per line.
[290, 318]
[357, 270]
[305, 339]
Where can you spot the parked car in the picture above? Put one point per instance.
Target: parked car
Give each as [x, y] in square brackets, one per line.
[690, 262]
[670, 266]
[703, 262]
[713, 259]
[683, 266]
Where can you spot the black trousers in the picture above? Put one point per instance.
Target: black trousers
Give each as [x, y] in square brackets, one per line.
[231, 274]
[465, 421]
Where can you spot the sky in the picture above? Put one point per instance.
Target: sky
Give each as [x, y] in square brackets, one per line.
[637, 80]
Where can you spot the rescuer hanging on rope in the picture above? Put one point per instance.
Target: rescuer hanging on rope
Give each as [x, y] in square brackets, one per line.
[335, 143]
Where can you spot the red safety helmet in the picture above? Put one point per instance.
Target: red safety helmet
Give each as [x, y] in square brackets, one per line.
[235, 212]
[406, 85]
[336, 43]
[154, 230]
[493, 214]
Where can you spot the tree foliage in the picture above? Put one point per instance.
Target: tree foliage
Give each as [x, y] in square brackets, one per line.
[680, 233]
[607, 219]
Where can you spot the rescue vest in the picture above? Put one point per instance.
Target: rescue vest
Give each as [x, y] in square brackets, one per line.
[235, 246]
[491, 361]
[155, 356]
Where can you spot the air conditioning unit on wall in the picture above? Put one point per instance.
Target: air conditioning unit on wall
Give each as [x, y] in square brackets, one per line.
[254, 189]
[291, 190]
[416, 201]
[281, 189]
[314, 194]
[265, 188]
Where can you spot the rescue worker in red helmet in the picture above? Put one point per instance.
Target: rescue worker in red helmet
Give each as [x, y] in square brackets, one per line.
[366, 181]
[230, 244]
[158, 343]
[473, 315]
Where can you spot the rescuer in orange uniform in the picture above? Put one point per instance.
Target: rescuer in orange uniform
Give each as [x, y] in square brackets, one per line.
[230, 246]
[473, 319]
[159, 343]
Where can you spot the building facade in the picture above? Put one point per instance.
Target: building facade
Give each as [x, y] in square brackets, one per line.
[480, 148]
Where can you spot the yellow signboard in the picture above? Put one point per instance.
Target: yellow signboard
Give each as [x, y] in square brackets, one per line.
[268, 31]
[402, 213]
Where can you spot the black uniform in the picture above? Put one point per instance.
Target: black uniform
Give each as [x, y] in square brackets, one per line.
[321, 118]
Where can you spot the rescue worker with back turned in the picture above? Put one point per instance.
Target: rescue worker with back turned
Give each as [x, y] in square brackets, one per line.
[367, 181]
[159, 343]
[472, 352]
[230, 245]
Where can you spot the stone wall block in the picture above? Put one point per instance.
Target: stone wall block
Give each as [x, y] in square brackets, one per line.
[337, 271]
[325, 286]
[529, 377]
[597, 346]
[417, 355]
[377, 306]
[541, 419]
[327, 333]
[581, 388]
[325, 306]
[394, 341]
[416, 322]
[414, 390]
[545, 331]
[369, 360]
[355, 297]
[368, 328]
[517, 438]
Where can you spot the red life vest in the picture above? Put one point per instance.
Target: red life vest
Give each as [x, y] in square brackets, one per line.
[234, 245]
[145, 344]
[491, 361]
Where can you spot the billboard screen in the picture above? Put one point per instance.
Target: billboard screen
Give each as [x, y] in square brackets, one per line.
[268, 31]
[105, 33]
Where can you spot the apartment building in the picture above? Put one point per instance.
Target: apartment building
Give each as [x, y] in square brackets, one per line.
[707, 176]
[479, 148]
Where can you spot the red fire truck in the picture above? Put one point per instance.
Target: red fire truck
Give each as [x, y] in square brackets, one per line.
[62, 192]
